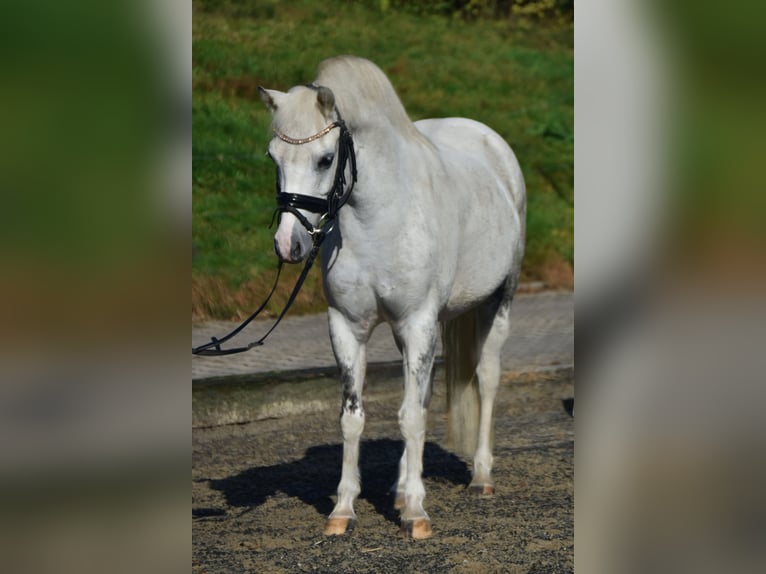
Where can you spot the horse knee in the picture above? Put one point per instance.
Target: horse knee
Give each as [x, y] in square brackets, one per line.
[352, 423]
[412, 422]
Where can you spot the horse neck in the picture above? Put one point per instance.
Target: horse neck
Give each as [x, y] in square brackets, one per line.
[383, 181]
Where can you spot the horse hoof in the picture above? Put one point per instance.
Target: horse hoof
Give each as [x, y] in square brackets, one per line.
[482, 489]
[399, 502]
[417, 529]
[338, 526]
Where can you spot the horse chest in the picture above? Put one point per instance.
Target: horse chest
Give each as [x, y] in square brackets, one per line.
[384, 283]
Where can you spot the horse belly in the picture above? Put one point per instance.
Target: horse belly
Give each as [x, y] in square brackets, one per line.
[488, 251]
[486, 212]
[474, 283]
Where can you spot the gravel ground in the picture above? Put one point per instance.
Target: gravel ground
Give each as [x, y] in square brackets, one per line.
[261, 491]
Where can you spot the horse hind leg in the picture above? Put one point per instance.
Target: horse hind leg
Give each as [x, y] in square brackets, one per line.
[496, 326]
[351, 357]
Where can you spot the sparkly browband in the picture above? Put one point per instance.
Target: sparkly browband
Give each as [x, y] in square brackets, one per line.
[299, 141]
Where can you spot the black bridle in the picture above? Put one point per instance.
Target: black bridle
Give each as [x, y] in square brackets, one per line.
[338, 194]
[292, 203]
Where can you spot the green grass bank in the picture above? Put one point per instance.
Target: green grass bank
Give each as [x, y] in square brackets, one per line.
[514, 74]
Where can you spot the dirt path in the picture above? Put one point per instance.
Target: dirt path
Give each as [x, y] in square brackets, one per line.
[261, 491]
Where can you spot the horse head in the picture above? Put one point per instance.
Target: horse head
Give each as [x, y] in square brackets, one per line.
[304, 148]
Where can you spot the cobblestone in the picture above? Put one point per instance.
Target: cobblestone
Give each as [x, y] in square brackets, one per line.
[542, 335]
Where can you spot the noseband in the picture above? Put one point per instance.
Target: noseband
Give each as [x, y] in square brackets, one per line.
[338, 194]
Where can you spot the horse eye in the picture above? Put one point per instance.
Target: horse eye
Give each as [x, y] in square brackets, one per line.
[326, 161]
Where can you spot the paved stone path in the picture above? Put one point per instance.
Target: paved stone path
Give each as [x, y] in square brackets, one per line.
[542, 335]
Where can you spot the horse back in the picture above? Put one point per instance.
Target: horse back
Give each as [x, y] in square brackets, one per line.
[461, 139]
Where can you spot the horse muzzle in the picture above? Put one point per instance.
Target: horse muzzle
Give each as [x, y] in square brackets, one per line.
[292, 243]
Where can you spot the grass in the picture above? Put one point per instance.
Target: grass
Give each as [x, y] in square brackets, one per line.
[516, 78]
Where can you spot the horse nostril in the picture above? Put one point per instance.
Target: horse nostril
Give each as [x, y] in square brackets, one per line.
[296, 251]
[276, 248]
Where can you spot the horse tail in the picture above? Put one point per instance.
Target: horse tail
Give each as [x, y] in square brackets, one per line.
[461, 349]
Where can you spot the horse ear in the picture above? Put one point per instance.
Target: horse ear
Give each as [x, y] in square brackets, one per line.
[326, 100]
[270, 98]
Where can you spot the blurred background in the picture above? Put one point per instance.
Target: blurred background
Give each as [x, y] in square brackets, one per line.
[95, 198]
[669, 287]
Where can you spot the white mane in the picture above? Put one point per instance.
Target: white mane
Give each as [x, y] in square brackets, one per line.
[364, 95]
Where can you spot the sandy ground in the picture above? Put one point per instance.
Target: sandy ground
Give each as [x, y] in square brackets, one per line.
[261, 491]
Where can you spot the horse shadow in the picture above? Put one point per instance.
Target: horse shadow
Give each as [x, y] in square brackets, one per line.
[314, 478]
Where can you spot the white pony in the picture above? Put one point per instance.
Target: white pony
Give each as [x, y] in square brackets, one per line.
[431, 235]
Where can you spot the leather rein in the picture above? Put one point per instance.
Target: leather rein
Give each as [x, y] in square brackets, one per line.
[292, 203]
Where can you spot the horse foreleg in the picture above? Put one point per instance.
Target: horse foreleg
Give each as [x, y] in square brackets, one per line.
[419, 347]
[401, 483]
[350, 353]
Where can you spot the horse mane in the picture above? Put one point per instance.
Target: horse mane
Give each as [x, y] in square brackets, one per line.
[364, 95]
